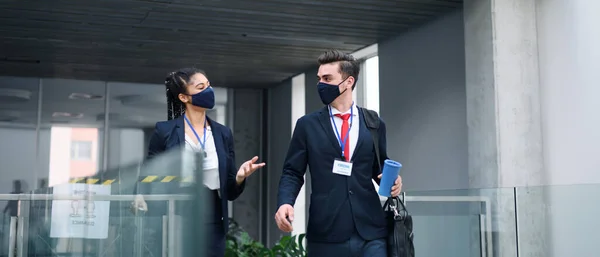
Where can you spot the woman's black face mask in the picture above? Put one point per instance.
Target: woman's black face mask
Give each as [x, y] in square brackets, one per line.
[204, 98]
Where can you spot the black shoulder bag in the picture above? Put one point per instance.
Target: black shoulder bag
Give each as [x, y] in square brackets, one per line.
[400, 225]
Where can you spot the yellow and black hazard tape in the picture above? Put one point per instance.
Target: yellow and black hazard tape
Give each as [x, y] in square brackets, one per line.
[92, 181]
[164, 179]
[142, 179]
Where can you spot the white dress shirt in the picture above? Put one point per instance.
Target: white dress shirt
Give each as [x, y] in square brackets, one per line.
[211, 175]
[353, 138]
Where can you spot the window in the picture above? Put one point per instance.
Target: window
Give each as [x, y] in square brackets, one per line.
[298, 110]
[367, 93]
[371, 96]
[81, 150]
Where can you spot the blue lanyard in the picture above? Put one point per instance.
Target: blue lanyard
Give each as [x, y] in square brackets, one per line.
[342, 143]
[202, 143]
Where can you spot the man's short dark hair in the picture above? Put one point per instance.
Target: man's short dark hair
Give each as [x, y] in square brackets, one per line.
[347, 64]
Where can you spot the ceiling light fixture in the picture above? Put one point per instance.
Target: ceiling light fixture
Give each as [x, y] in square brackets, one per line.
[117, 117]
[144, 100]
[8, 116]
[14, 95]
[67, 115]
[84, 96]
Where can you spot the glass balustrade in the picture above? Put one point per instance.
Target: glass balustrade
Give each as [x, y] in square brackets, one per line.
[559, 220]
[549, 221]
[462, 222]
[94, 216]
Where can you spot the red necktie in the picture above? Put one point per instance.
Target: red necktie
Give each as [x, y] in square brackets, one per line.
[345, 137]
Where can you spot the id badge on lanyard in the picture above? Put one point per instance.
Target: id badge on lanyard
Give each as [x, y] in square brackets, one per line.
[341, 166]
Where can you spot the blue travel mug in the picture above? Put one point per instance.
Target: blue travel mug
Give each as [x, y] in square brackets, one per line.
[391, 169]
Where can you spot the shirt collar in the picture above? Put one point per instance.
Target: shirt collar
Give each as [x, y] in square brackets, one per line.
[335, 111]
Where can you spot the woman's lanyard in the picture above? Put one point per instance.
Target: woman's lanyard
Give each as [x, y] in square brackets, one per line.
[339, 138]
[202, 143]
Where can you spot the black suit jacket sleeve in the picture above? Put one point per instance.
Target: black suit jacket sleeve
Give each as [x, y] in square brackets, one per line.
[294, 168]
[382, 151]
[156, 144]
[233, 189]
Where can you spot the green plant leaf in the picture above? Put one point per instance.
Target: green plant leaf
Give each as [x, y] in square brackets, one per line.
[240, 244]
[285, 240]
[266, 252]
[301, 243]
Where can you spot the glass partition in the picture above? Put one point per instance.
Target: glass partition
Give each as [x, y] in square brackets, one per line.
[94, 215]
[475, 223]
[558, 220]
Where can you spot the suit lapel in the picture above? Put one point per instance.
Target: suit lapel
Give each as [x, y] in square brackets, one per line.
[221, 151]
[325, 121]
[180, 128]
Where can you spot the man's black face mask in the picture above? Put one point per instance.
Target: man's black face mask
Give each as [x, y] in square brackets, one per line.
[329, 92]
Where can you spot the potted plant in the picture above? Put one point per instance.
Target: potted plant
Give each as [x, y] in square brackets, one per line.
[240, 244]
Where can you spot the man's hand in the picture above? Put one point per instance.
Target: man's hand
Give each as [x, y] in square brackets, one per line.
[397, 187]
[284, 218]
[139, 204]
[247, 169]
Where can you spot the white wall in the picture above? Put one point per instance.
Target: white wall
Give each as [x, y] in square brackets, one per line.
[569, 61]
[570, 83]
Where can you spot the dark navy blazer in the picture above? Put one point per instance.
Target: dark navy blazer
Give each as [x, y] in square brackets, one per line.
[339, 205]
[171, 134]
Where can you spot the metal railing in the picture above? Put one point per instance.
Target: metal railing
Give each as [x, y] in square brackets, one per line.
[116, 198]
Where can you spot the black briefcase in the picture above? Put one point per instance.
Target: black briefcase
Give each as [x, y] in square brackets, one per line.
[400, 227]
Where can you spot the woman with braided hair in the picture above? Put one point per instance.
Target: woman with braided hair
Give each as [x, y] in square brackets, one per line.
[189, 95]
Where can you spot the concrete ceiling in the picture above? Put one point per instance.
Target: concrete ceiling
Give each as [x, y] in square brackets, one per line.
[240, 43]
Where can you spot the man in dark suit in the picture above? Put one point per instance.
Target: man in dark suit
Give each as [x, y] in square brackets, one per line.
[345, 217]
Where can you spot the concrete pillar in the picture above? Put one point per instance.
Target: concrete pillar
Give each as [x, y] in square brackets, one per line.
[247, 132]
[503, 118]
[279, 130]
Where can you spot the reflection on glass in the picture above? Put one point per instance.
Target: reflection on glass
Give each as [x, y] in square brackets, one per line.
[12, 207]
[134, 109]
[71, 135]
[18, 120]
[73, 153]
[52, 133]
[79, 223]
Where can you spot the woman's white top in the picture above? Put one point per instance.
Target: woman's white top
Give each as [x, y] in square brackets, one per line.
[210, 165]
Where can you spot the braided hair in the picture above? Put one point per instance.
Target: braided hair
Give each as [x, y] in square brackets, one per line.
[176, 83]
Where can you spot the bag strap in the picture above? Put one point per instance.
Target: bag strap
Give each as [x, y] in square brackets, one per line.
[372, 121]
[393, 204]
